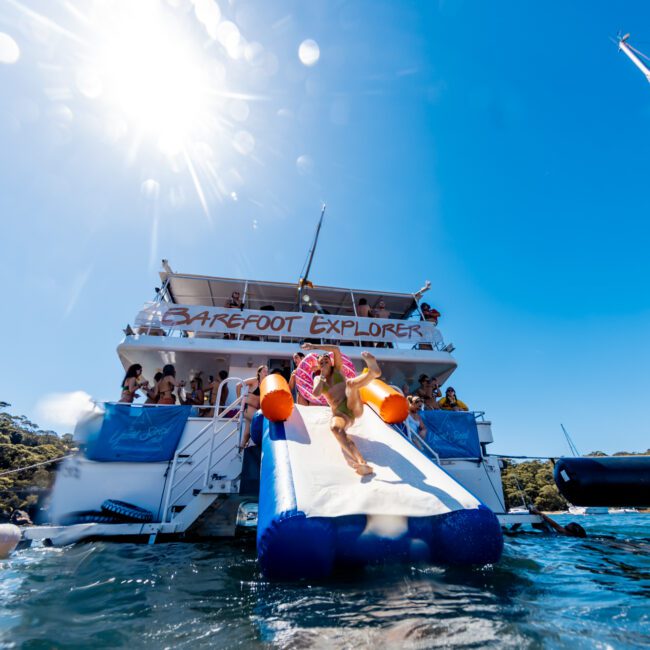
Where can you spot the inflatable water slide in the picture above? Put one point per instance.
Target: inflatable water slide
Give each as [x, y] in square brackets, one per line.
[316, 514]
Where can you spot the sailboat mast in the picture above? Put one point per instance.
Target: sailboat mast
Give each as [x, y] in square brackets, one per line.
[304, 280]
[627, 50]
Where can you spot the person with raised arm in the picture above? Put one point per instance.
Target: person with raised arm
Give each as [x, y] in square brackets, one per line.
[343, 397]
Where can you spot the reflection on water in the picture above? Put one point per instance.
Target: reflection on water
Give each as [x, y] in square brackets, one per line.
[546, 591]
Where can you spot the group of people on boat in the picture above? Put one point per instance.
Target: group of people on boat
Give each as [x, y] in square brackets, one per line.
[329, 381]
[428, 396]
[166, 389]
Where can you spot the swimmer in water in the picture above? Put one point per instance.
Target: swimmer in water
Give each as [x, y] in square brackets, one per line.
[343, 397]
[570, 530]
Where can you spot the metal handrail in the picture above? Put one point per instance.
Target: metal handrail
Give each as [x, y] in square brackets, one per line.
[424, 442]
[171, 485]
[212, 426]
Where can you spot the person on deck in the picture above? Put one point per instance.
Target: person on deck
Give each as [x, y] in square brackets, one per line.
[223, 400]
[168, 384]
[153, 393]
[252, 401]
[234, 302]
[132, 381]
[343, 397]
[429, 314]
[451, 403]
[298, 398]
[363, 308]
[429, 391]
[196, 396]
[415, 427]
[381, 311]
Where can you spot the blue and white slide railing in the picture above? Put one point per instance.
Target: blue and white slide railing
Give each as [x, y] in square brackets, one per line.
[317, 514]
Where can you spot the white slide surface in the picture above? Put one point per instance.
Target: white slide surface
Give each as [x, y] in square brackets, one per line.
[406, 483]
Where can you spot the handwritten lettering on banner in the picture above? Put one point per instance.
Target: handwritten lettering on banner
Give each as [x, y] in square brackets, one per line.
[218, 320]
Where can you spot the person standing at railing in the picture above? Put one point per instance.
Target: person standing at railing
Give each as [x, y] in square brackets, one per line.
[363, 308]
[168, 384]
[234, 302]
[252, 401]
[451, 403]
[429, 314]
[380, 310]
[415, 427]
[132, 381]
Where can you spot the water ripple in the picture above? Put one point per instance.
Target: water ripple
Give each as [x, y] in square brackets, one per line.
[545, 592]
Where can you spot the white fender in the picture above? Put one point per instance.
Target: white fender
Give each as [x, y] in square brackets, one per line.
[9, 538]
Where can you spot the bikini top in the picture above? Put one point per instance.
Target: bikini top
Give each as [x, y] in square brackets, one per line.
[337, 378]
[256, 391]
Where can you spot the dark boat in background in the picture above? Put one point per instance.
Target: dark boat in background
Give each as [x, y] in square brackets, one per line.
[611, 481]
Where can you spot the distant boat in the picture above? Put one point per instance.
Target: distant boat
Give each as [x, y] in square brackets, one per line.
[622, 511]
[588, 510]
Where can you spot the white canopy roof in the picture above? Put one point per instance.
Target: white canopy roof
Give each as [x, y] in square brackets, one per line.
[282, 296]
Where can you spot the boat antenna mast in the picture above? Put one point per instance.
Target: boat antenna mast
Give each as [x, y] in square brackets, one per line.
[572, 448]
[304, 276]
[633, 54]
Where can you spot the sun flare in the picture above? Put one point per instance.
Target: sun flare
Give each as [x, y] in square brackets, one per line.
[152, 72]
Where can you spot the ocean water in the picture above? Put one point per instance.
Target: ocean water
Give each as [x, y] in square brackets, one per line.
[546, 592]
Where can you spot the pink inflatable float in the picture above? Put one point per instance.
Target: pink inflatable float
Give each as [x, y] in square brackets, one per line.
[305, 376]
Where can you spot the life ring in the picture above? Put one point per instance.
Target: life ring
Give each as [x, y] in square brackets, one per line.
[127, 511]
[88, 517]
[305, 376]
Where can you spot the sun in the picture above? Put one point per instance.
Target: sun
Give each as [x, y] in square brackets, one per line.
[152, 72]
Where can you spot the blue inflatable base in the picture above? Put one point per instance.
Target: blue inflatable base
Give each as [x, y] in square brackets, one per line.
[292, 546]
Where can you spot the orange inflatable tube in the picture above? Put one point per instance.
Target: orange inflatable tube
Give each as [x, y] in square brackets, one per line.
[390, 403]
[275, 398]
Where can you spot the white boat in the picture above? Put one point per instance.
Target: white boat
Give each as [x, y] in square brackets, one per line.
[587, 510]
[202, 488]
[623, 511]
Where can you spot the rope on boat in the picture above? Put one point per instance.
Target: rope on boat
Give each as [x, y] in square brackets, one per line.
[525, 457]
[45, 462]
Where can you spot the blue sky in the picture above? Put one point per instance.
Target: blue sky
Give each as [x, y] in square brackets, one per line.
[497, 149]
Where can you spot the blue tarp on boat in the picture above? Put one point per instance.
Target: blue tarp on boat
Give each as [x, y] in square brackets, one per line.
[452, 434]
[138, 434]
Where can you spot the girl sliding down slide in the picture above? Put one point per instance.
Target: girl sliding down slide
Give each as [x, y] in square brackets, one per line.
[343, 397]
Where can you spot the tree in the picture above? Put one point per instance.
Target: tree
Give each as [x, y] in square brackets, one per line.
[23, 444]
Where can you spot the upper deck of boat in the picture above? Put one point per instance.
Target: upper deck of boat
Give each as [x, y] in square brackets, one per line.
[190, 315]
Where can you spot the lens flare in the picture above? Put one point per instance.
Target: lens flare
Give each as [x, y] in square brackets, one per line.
[152, 72]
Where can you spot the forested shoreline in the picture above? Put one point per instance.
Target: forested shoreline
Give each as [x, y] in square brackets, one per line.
[22, 444]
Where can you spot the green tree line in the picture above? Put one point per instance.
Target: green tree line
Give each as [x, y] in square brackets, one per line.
[23, 443]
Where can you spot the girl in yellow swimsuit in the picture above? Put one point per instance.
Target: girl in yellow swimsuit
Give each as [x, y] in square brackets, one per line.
[343, 397]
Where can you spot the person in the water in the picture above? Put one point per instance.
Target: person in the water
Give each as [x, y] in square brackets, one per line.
[343, 397]
[570, 530]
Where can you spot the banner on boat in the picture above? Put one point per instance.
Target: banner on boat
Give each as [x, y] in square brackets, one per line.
[249, 322]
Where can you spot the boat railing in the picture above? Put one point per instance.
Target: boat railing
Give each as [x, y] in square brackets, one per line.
[423, 442]
[225, 420]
